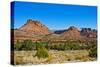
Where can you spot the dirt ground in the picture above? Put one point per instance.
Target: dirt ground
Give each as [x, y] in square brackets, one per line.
[55, 57]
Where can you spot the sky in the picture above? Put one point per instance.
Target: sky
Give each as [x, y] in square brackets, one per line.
[54, 16]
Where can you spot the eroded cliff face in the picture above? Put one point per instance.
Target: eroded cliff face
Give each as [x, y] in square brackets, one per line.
[36, 31]
[72, 33]
[33, 30]
[34, 27]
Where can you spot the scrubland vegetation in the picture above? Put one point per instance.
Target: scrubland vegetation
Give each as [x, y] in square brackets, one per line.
[49, 52]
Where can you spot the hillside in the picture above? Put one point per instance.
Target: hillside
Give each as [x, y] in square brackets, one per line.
[36, 31]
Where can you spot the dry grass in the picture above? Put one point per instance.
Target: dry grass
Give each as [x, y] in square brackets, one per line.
[28, 57]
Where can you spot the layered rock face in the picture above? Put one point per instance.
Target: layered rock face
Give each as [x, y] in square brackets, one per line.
[34, 27]
[36, 31]
[72, 33]
[84, 34]
[88, 32]
[32, 30]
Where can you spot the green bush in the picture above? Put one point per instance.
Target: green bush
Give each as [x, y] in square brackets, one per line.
[17, 46]
[47, 46]
[66, 46]
[40, 45]
[93, 52]
[42, 53]
[75, 46]
[27, 45]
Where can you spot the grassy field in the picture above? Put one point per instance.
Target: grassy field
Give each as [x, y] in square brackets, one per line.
[55, 56]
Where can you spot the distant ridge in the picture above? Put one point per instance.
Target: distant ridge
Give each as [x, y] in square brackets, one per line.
[72, 33]
[36, 31]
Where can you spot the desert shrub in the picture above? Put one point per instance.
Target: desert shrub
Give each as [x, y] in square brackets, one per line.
[93, 52]
[72, 46]
[83, 46]
[75, 46]
[61, 47]
[17, 46]
[90, 45]
[57, 47]
[42, 49]
[38, 45]
[51, 46]
[47, 46]
[42, 53]
[69, 46]
[27, 45]
[41, 45]
[87, 45]
[66, 46]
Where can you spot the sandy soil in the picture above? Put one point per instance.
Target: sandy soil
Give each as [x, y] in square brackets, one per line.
[28, 57]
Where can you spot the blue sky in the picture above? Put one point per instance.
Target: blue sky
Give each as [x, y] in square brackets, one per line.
[55, 16]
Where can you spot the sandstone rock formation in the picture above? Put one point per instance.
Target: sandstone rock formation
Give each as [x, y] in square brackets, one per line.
[34, 27]
[32, 30]
[88, 32]
[36, 31]
[72, 33]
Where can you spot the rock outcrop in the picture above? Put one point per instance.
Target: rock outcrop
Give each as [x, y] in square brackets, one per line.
[36, 31]
[32, 30]
[72, 33]
[88, 32]
[34, 27]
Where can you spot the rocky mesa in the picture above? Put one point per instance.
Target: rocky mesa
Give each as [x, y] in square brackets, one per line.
[36, 31]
